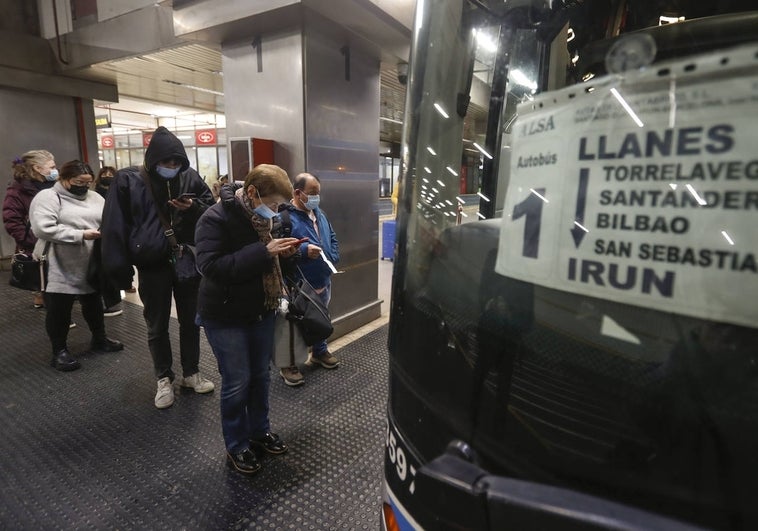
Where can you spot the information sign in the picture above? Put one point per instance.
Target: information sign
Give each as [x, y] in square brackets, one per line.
[642, 193]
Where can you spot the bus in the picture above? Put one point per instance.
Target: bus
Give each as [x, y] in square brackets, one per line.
[579, 348]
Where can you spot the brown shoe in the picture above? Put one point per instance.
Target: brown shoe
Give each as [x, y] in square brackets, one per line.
[292, 376]
[327, 360]
[38, 301]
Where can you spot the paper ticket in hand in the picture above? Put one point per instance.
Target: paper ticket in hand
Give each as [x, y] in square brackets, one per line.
[331, 265]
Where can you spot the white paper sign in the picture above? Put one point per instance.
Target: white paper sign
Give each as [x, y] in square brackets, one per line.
[646, 197]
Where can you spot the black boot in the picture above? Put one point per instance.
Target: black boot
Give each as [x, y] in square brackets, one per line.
[63, 361]
[106, 345]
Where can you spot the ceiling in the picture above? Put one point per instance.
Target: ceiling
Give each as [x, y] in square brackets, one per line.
[187, 80]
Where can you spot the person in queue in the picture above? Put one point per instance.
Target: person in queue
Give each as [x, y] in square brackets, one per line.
[309, 221]
[33, 172]
[240, 291]
[165, 187]
[66, 219]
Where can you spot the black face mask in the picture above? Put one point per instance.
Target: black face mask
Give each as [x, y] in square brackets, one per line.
[78, 189]
[106, 181]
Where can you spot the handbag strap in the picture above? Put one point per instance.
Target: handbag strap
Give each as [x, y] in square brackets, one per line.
[168, 230]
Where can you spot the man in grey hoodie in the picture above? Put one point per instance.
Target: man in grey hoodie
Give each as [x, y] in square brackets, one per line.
[148, 222]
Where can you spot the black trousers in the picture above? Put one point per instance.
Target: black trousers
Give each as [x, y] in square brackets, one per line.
[58, 317]
[156, 287]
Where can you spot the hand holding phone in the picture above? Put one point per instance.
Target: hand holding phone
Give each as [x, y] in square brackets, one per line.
[298, 242]
[187, 195]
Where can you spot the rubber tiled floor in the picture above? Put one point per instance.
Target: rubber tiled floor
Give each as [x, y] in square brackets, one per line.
[88, 450]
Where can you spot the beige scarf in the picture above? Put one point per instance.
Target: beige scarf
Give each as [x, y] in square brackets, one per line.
[272, 286]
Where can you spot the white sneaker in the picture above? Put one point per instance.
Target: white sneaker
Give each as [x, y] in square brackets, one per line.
[165, 396]
[198, 383]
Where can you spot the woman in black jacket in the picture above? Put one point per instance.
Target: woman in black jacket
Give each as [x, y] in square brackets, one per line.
[239, 294]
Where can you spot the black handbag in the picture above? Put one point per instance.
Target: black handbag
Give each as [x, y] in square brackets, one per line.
[308, 312]
[29, 273]
[185, 263]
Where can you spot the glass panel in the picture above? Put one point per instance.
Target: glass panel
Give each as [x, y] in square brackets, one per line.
[122, 141]
[137, 156]
[223, 162]
[207, 164]
[135, 140]
[122, 158]
[109, 158]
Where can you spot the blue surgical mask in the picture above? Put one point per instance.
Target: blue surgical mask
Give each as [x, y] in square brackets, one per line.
[313, 201]
[263, 210]
[52, 176]
[167, 173]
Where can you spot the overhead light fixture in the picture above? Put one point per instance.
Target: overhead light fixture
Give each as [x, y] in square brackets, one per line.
[193, 87]
[390, 120]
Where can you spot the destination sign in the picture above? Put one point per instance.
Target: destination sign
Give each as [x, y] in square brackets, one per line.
[643, 193]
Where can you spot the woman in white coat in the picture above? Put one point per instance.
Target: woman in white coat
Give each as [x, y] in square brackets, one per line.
[66, 220]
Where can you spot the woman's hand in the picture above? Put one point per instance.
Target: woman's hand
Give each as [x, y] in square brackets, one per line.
[284, 247]
[91, 234]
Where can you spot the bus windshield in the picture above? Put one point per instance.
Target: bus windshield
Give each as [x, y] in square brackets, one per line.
[575, 283]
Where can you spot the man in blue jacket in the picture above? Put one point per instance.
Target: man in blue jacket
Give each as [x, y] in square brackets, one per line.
[309, 221]
[148, 221]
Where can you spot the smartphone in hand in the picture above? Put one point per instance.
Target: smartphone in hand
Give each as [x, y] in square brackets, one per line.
[298, 242]
[186, 195]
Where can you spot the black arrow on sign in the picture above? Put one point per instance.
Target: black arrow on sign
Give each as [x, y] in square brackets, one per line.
[581, 202]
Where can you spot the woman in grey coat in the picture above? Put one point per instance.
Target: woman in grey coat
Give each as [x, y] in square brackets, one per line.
[66, 220]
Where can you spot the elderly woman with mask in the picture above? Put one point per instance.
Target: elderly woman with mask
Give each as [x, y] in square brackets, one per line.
[32, 172]
[239, 294]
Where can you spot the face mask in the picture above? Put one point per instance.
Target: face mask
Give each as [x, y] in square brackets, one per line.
[77, 189]
[52, 176]
[313, 201]
[263, 209]
[167, 173]
[106, 181]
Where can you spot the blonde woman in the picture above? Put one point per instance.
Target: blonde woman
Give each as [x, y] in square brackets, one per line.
[32, 172]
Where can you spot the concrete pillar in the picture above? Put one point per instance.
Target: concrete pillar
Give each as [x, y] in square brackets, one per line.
[313, 88]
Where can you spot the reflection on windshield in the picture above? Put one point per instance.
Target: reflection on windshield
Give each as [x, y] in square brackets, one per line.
[578, 302]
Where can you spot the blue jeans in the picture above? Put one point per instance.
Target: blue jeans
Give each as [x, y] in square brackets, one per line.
[319, 349]
[243, 354]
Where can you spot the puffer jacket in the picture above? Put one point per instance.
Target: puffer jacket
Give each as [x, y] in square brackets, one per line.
[18, 198]
[232, 260]
[132, 233]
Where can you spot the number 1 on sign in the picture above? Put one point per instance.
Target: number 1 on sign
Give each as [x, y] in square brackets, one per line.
[531, 208]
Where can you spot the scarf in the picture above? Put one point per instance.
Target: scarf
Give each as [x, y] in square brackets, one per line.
[272, 285]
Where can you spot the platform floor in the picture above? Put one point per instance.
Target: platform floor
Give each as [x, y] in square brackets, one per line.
[88, 449]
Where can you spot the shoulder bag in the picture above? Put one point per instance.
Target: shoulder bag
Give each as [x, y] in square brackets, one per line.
[29, 273]
[308, 312]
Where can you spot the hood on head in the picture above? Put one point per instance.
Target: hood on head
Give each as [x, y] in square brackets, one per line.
[165, 145]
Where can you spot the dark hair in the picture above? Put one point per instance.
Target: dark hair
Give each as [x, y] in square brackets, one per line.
[75, 168]
[301, 179]
[269, 179]
[104, 169]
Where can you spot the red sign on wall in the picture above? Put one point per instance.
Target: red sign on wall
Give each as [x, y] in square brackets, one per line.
[146, 137]
[107, 141]
[205, 136]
